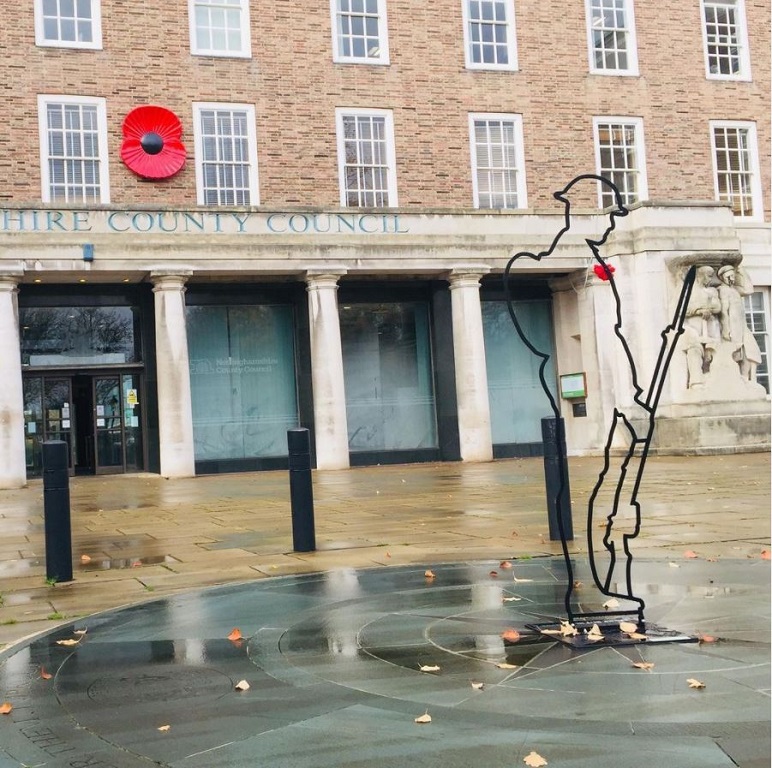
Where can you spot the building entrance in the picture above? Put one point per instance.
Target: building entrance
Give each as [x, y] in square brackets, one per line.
[98, 415]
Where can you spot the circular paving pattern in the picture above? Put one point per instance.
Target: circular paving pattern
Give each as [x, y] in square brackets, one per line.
[340, 664]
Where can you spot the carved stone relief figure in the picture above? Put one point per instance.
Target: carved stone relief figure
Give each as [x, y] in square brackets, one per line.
[735, 283]
[702, 331]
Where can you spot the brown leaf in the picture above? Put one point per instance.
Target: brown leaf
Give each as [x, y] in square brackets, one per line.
[430, 574]
[425, 718]
[428, 668]
[45, 675]
[505, 564]
[67, 642]
[695, 683]
[551, 631]
[85, 559]
[388, 554]
[80, 632]
[643, 665]
[689, 555]
[577, 584]
[612, 603]
[628, 626]
[5, 708]
[235, 635]
[637, 636]
[477, 686]
[242, 685]
[567, 629]
[706, 638]
[765, 554]
[534, 760]
[164, 728]
[511, 635]
[494, 574]
[506, 665]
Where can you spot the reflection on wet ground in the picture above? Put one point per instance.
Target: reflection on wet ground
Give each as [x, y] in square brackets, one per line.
[334, 666]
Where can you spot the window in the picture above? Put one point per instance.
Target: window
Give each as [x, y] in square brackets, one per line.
[489, 34]
[756, 313]
[725, 36]
[366, 162]
[498, 166]
[736, 167]
[68, 23]
[620, 158]
[359, 32]
[219, 28]
[73, 149]
[226, 154]
[611, 37]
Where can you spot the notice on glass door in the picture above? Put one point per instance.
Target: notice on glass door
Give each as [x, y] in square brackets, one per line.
[131, 397]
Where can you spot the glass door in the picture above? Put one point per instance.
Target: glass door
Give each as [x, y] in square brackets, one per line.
[48, 415]
[132, 421]
[33, 425]
[57, 414]
[108, 417]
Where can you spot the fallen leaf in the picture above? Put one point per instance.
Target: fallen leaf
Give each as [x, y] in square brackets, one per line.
[613, 603]
[534, 760]
[425, 718]
[428, 668]
[79, 631]
[567, 629]
[164, 727]
[85, 559]
[235, 635]
[430, 574]
[5, 708]
[695, 683]
[628, 626]
[505, 564]
[67, 642]
[674, 565]
[690, 555]
[242, 685]
[637, 636]
[765, 554]
[595, 635]
[511, 599]
[494, 574]
[506, 665]
[643, 665]
[706, 639]
[45, 675]
[388, 554]
[477, 686]
[577, 584]
[511, 635]
[551, 631]
[522, 581]
[136, 564]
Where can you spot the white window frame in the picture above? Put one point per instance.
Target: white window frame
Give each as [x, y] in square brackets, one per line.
[198, 146]
[383, 37]
[96, 30]
[742, 40]
[753, 158]
[104, 166]
[640, 155]
[511, 65]
[764, 332]
[391, 158]
[631, 41]
[246, 37]
[519, 169]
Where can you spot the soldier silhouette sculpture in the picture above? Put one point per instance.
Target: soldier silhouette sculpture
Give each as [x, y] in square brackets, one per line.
[615, 494]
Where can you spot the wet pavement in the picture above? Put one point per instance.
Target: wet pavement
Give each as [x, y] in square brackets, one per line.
[332, 652]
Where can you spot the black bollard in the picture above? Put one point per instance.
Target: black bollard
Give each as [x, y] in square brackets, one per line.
[56, 511]
[301, 491]
[553, 433]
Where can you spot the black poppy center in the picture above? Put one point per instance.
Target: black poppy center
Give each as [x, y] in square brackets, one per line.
[152, 143]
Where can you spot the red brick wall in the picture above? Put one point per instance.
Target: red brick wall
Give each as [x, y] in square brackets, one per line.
[295, 87]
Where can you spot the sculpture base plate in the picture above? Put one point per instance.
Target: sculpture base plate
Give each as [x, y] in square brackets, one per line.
[612, 635]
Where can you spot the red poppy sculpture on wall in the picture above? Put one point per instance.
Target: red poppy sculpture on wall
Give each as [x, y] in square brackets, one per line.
[604, 271]
[151, 142]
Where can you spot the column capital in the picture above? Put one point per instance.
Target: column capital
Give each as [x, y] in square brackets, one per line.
[169, 280]
[9, 281]
[324, 278]
[466, 276]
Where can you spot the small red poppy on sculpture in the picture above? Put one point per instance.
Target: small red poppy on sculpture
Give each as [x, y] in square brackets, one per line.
[604, 271]
[151, 144]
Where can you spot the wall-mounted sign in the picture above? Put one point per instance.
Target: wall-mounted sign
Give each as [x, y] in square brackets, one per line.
[573, 385]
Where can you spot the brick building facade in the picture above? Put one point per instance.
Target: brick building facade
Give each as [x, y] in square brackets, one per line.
[358, 174]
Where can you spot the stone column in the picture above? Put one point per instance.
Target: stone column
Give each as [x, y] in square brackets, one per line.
[175, 413]
[13, 464]
[327, 371]
[474, 418]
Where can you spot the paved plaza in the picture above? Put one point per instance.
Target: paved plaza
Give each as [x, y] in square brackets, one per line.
[332, 646]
